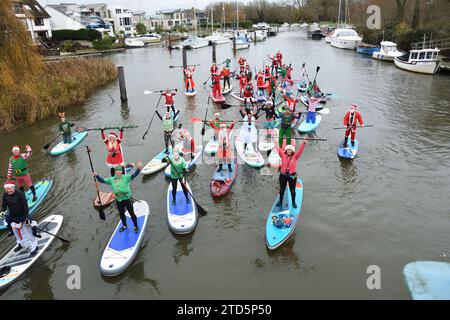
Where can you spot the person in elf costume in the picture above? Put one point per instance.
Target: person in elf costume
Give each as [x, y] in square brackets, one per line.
[168, 126]
[121, 188]
[177, 174]
[113, 145]
[18, 168]
[65, 128]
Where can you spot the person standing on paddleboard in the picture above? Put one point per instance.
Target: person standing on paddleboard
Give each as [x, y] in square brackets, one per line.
[215, 123]
[18, 167]
[274, 69]
[170, 101]
[312, 104]
[261, 84]
[288, 170]
[272, 86]
[225, 74]
[269, 123]
[168, 123]
[286, 125]
[351, 120]
[242, 61]
[65, 128]
[225, 152]
[188, 74]
[249, 133]
[177, 172]
[121, 188]
[279, 57]
[17, 219]
[216, 91]
[115, 156]
[248, 94]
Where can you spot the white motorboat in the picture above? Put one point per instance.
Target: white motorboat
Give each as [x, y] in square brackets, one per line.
[345, 39]
[193, 42]
[261, 35]
[424, 61]
[388, 52]
[242, 42]
[218, 38]
[261, 26]
[134, 43]
[150, 38]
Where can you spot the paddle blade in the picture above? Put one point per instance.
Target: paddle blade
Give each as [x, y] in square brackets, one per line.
[203, 131]
[148, 92]
[102, 214]
[318, 69]
[201, 210]
[196, 120]
[225, 106]
[47, 146]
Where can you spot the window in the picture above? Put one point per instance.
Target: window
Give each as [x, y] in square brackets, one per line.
[17, 9]
[120, 21]
[422, 55]
[39, 22]
[118, 11]
[430, 55]
[98, 14]
[170, 23]
[127, 21]
[414, 55]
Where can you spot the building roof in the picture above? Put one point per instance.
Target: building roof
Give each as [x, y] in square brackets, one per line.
[169, 11]
[74, 11]
[32, 9]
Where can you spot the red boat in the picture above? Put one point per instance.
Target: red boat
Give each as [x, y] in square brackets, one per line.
[223, 181]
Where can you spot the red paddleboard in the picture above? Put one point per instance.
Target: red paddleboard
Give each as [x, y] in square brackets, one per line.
[218, 99]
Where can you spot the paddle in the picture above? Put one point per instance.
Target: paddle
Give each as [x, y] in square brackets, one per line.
[82, 129]
[193, 65]
[306, 72]
[204, 83]
[206, 114]
[317, 71]
[154, 113]
[54, 235]
[310, 139]
[200, 209]
[45, 147]
[345, 128]
[155, 91]
[102, 213]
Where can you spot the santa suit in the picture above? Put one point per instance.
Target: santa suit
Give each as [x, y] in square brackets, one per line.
[223, 135]
[291, 103]
[188, 143]
[216, 85]
[24, 235]
[274, 64]
[170, 102]
[267, 73]
[279, 57]
[241, 63]
[115, 156]
[214, 70]
[351, 121]
[189, 81]
[248, 94]
[242, 83]
[289, 73]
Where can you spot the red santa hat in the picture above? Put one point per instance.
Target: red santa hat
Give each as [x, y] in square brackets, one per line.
[289, 147]
[16, 148]
[9, 184]
[353, 107]
[223, 125]
[112, 135]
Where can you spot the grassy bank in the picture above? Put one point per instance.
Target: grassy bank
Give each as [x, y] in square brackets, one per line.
[58, 85]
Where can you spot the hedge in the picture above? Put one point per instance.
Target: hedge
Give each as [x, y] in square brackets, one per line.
[82, 34]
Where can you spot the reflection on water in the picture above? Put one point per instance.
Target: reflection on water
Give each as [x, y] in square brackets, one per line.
[183, 247]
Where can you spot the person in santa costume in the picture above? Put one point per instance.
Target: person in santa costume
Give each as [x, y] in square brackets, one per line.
[216, 91]
[248, 94]
[115, 155]
[187, 141]
[288, 170]
[214, 69]
[225, 151]
[18, 220]
[242, 61]
[248, 73]
[260, 83]
[225, 74]
[279, 57]
[351, 120]
[170, 101]
[188, 74]
[267, 74]
[291, 102]
[274, 69]
[18, 168]
[242, 84]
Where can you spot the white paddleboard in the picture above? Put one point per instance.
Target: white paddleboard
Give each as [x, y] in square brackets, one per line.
[252, 157]
[181, 217]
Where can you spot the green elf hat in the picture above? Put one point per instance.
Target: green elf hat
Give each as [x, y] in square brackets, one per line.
[118, 168]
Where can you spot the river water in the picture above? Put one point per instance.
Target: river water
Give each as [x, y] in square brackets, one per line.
[387, 208]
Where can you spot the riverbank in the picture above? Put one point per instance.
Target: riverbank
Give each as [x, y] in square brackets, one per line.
[57, 86]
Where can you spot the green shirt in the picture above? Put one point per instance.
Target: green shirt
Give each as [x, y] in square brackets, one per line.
[286, 121]
[64, 127]
[120, 187]
[176, 171]
[18, 165]
[168, 125]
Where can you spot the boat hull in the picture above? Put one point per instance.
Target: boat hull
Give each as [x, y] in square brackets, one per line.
[424, 67]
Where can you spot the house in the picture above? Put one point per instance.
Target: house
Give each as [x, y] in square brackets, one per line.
[75, 17]
[123, 20]
[34, 17]
[167, 19]
[202, 19]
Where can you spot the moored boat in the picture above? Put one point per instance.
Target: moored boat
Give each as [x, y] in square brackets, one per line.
[387, 52]
[424, 61]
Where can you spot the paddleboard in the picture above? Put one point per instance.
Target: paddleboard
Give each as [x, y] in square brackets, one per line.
[227, 91]
[190, 164]
[350, 152]
[302, 87]
[267, 144]
[223, 181]
[274, 159]
[182, 217]
[106, 197]
[212, 147]
[218, 99]
[190, 93]
[260, 98]
[252, 157]
[62, 147]
[309, 127]
[156, 163]
[428, 280]
[42, 189]
[123, 247]
[15, 264]
[279, 233]
[238, 97]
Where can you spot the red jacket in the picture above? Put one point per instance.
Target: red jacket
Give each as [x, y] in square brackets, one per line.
[114, 154]
[214, 69]
[357, 118]
[290, 162]
[248, 93]
[291, 103]
[169, 97]
[260, 82]
[225, 73]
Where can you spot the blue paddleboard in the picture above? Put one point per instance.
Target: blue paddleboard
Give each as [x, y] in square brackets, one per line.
[350, 152]
[305, 127]
[62, 147]
[428, 280]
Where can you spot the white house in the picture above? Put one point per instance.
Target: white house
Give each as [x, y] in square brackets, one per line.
[34, 17]
[123, 20]
[167, 19]
[75, 17]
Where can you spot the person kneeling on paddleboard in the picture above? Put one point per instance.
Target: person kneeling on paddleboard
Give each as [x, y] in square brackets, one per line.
[168, 127]
[17, 166]
[288, 170]
[64, 128]
[351, 120]
[115, 156]
[177, 172]
[120, 185]
[17, 219]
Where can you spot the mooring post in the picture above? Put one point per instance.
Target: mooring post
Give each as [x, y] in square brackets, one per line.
[185, 63]
[122, 84]
[254, 36]
[214, 58]
[170, 42]
[234, 44]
